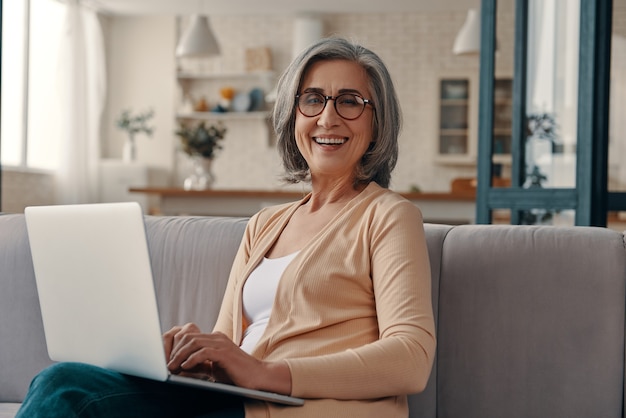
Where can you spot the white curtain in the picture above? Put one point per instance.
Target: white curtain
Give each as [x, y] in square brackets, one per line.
[553, 84]
[542, 55]
[82, 82]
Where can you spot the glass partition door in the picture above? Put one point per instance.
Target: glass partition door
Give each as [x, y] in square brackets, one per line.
[560, 118]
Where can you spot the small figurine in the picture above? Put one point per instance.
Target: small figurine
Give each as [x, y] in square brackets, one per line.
[226, 96]
[201, 105]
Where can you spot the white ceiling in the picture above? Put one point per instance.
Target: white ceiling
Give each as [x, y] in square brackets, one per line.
[260, 7]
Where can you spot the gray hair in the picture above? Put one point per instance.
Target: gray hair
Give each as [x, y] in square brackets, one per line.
[382, 155]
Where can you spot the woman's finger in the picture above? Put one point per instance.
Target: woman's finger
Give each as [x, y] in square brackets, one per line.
[192, 350]
[173, 338]
[168, 341]
[185, 346]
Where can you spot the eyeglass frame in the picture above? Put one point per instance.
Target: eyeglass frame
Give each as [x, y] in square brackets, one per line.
[334, 99]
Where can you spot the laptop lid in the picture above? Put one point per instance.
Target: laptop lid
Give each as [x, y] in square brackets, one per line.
[95, 287]
[97, 296]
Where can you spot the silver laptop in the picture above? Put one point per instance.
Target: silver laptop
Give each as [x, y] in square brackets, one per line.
[96, 292]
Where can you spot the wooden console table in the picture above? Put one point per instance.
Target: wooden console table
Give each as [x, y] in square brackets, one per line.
[453, 208]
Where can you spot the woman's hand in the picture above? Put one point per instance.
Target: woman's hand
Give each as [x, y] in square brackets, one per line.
[189, 351]
[171, 338]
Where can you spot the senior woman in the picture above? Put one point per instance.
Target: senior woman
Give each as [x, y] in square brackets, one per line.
[328, 298]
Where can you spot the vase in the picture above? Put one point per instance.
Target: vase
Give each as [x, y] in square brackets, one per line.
[129, 151]
[202, 178]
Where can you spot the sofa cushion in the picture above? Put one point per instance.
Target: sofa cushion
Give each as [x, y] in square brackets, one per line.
[531, 322]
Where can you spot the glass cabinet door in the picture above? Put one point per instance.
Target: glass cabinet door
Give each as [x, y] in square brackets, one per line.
[454, 117]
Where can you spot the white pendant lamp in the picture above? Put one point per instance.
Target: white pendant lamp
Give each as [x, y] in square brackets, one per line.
[307, 29]
[198, 39]
[468, 39]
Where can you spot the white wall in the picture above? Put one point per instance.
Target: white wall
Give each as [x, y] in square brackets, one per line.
[141, 75]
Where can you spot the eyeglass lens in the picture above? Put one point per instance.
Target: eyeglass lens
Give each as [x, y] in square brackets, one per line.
[348, 106]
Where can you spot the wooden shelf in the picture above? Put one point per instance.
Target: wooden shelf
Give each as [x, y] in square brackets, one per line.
[206, 86]
[454, 208]
[265, 194]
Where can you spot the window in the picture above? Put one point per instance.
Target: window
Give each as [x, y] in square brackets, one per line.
[31, 119]
[13, 85]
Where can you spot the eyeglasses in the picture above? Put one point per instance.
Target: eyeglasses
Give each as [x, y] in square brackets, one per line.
[347, 105]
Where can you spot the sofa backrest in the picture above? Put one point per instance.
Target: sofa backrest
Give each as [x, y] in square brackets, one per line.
[191, 259]
[530, 323]
[530, 320]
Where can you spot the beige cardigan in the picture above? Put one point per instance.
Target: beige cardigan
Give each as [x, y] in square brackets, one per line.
[352, 314]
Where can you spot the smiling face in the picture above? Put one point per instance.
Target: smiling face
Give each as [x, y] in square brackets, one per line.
[333, 146]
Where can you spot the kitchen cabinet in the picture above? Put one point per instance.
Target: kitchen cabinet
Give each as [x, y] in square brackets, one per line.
[458, 120]
[454, 99]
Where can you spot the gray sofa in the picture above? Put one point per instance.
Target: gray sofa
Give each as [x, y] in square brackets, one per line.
[530, 320]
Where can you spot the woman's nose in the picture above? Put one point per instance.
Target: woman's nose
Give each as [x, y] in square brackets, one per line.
[329, 116]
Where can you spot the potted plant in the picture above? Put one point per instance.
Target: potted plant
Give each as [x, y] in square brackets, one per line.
[201, 143]
[133, 125]
[540, 127]
[201, 140]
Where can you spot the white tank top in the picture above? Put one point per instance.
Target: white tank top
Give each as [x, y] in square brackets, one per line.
[259, 292]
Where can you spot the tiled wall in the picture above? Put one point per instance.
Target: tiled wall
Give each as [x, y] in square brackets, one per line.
[416, 47]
